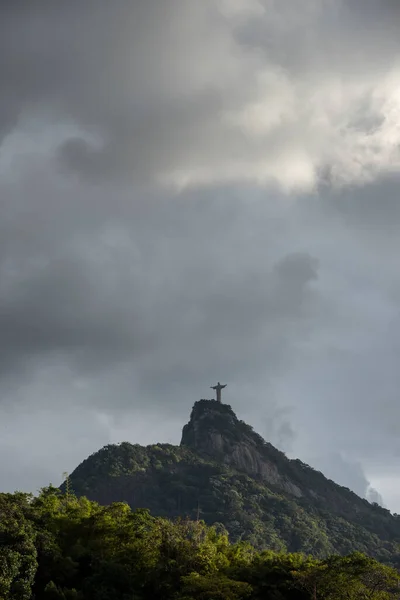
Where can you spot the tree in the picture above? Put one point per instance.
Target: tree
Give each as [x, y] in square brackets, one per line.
[18, 562]
[213, 587]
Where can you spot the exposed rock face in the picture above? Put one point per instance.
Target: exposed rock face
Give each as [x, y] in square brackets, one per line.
[215, 431]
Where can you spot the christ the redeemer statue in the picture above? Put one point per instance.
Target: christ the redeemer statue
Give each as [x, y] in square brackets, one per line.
[218, 389]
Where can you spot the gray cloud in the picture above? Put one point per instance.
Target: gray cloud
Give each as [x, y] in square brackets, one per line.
[349, 474]
[155, 101]
[153, 291]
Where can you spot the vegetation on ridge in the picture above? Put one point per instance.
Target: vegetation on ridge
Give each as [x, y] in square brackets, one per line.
[58, 547]
[188, 482]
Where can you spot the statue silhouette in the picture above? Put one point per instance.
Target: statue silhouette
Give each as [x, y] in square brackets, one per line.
[218, 389]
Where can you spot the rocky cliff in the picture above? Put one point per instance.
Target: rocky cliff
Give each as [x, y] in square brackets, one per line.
[215, 431]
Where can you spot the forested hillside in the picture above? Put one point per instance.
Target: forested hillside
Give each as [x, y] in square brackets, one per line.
[58, 547]
[225, 473]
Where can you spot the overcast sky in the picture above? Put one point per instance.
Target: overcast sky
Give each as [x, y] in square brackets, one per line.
[193, 191]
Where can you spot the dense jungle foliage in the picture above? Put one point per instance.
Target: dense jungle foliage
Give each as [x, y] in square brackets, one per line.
[59, 547]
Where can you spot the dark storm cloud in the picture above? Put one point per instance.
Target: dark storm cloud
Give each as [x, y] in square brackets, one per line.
[325, 34]
[113, 69]
[60, 308]
[166, 291]
[358, 206]
[152, 99]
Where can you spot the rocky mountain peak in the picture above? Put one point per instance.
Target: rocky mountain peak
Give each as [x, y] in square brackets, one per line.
[215, 431]
[210, 421]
